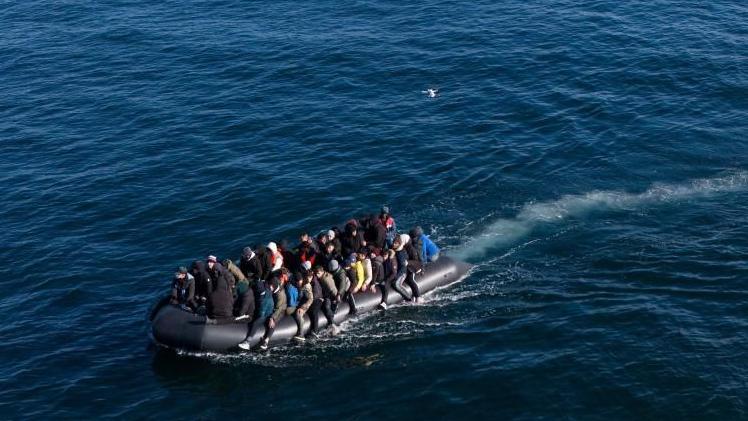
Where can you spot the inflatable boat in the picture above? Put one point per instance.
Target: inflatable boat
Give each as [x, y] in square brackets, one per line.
[174, 327]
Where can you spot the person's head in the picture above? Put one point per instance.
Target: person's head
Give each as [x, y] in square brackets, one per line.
[362, 254]
[416, 231]
[330, 247]
[275, 284]
[304, 238]
[385, 211]
[333, 266]
[322, 238]
[308, 276]
[351, 228]
[283, 275]
[330, 235]
[272, 247]
[319, 270]
[211, 261]
[247, 252]
[297, 279]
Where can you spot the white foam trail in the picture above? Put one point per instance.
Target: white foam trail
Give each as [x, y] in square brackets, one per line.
[506, 231]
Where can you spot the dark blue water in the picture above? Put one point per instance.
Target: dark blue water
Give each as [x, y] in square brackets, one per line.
[590, 158]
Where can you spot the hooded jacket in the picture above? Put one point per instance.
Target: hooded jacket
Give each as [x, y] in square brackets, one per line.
[376, 233]
[351, 243]
[250, 266]
[390, 227]
[203, 283]
[183, 293]
[414, 257]
[220, 302]
[428, 248]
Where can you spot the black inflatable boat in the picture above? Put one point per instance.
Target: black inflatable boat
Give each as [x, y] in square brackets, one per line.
[174, 327]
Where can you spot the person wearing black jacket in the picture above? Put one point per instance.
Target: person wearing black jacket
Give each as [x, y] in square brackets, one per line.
[221, 302]
[376, 233]
[216, 272]
[250, 264]
[352, 240]
[414, 265]
[328, 254]
[317, 302]
[203, 283]
[389, 267]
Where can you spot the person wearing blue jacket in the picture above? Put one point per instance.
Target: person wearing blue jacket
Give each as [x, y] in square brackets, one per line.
[267, 305]
[429, 251]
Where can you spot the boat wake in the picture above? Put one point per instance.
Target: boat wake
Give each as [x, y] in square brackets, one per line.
[506, 231]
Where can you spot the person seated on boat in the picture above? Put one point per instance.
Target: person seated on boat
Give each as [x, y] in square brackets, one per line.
[306, 302]
[355, 272]
[290, 256]
[245, 303]
[307, 249]
[389, 268]
[362, 256]
[250, 264]
[333, 236]
[203, 284]
[376, 233]
[377, 270]
[407, 266]
[352, 240]
[216, 271]
[183, 289]
[264, 255]
[342, 284]
[429, 251]
[276, 258]
[329, 295]
[220, 301]
[266, 306]
[389, 225]
[328, 255]
[280, 305]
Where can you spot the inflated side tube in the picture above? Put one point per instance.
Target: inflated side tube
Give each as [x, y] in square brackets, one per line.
[177, 328]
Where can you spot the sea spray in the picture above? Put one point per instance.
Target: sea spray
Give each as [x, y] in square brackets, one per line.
[506, 231]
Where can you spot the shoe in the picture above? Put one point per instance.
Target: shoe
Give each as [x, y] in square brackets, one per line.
[264, 345]
[240, 318]
[299, 338]
[244, 345]
[417, 300]
[314, 335]
[335, 330]
[383, 305]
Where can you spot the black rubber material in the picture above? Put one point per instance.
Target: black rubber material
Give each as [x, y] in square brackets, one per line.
[177, 328]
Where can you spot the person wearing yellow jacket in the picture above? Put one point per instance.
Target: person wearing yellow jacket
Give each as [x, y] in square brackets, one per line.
[356, 273]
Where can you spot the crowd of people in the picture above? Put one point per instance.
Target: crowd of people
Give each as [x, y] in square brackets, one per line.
[274, 280]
